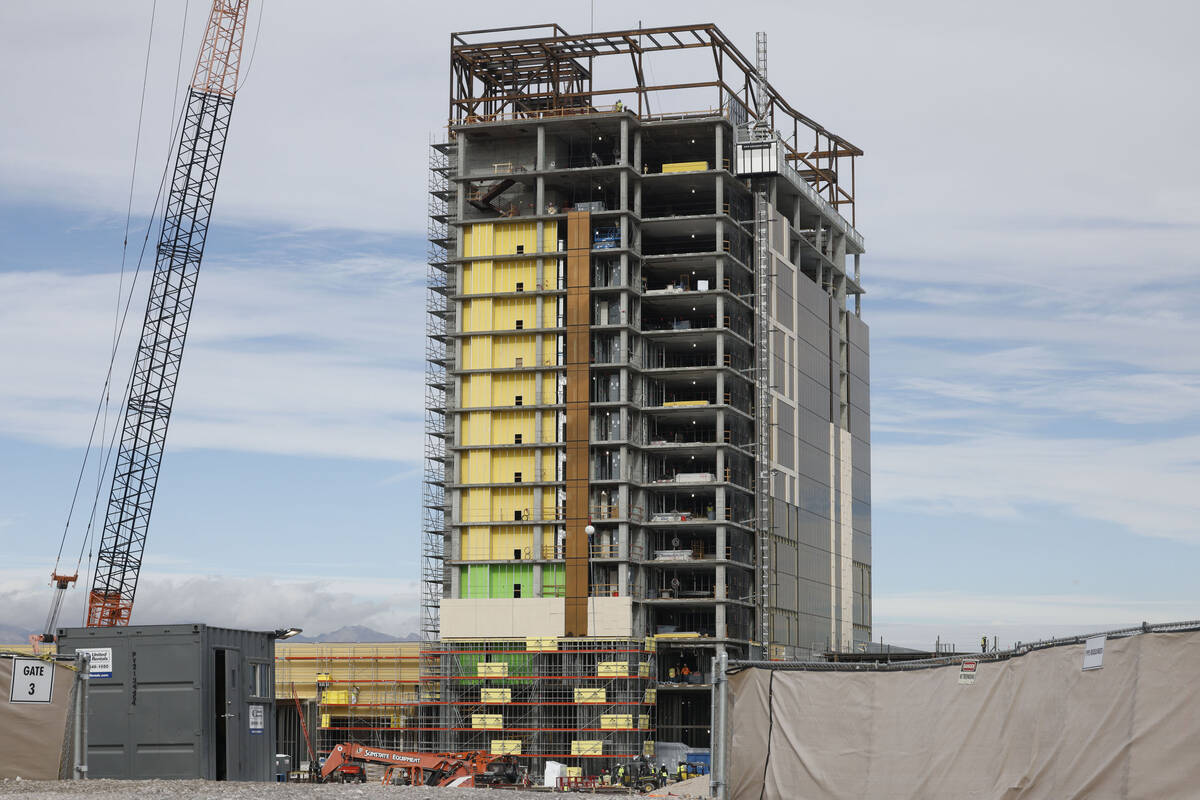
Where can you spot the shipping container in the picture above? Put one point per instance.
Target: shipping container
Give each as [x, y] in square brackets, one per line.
[178, 701]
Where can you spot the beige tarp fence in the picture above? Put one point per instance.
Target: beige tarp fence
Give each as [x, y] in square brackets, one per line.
[33, 735]
[1034, 726]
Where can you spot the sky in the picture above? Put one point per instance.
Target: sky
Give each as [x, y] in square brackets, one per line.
[1030, 199]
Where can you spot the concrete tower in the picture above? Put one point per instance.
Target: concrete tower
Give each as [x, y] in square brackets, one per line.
[648, 425]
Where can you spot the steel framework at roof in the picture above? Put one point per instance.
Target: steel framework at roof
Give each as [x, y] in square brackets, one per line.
[551, 74]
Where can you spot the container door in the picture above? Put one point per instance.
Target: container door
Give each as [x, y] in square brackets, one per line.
[228, 708]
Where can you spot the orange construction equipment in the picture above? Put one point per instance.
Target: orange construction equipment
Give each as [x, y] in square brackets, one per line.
[429, 769]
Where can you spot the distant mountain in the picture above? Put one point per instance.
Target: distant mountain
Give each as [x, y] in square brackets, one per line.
[12, 634]
[355, 633]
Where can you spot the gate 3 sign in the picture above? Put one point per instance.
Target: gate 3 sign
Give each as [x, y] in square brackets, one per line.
[32, 681]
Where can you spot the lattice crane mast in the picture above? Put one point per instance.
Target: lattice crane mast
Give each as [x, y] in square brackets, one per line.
[193, 182]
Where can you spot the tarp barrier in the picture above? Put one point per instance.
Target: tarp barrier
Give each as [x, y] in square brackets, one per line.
[1033, 726]
[34, 734]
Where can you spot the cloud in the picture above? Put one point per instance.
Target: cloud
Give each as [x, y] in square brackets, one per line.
[961, 617]
[318, 605]
[300, 358]
[1146, 487]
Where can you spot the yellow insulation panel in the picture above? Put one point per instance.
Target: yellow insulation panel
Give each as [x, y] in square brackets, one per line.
[503, 466]
[482, 391]
[499, 238]
[491, 277]
[500, 427]
[499, 314]
[499, 505]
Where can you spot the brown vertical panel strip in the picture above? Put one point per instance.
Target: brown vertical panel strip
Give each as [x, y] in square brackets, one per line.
[579, 235]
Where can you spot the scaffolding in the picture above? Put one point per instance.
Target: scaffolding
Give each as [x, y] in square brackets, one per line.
[439, 329]
[586, 702]
[364, 693]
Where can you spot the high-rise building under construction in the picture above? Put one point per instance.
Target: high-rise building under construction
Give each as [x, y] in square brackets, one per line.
[647, 426]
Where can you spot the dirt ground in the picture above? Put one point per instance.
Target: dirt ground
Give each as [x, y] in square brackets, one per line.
[203, 790]
[693, 789]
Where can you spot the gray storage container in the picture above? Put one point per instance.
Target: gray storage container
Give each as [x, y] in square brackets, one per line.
[179, 701]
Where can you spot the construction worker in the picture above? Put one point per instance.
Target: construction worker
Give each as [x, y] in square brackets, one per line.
[671, 675]
[682, 772]
[685, 671]
[662, 774]
[618, 106]
[621, 775]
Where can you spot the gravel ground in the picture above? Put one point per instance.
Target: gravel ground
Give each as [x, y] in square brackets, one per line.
[202, 790]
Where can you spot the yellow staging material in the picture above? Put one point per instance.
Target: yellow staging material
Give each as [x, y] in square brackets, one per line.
[611, 721]
[651, 697]
[644, 721]
[685, 403]
[651, 644]
[492, 669]
[381, 672]
[648, 748]
[487, 721]
[590, 695]
[643, 669]
[506, 747]
[542, 643]
[587, 747]
[492, 695]
[574, 772]
[325, 719]
[612, 669]
[685, 635]
[686, 166]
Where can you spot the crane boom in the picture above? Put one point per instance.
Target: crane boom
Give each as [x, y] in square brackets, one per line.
[176, 266]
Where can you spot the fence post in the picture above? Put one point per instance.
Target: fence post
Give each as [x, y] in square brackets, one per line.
[80, 765]
[719, 789]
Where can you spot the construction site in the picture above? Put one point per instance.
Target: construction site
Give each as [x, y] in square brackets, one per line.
[645, 529]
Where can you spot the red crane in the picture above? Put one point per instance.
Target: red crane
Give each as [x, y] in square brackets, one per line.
[205, 126]
[147, 411]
